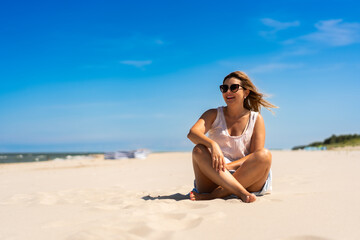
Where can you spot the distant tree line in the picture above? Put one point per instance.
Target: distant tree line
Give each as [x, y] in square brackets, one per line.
[333, 140]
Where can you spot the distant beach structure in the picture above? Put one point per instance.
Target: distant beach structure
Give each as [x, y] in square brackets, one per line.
[139, 153]
[315, 148]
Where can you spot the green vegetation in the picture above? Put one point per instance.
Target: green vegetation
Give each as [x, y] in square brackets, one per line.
[334, 141]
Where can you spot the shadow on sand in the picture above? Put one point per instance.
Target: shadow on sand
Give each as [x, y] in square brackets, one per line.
[179, 197]
[176, 197]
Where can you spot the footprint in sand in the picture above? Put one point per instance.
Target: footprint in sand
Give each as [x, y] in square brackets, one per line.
[17, 198]
[174, 221]
[139, 219]
[46, 198]
[114, 230]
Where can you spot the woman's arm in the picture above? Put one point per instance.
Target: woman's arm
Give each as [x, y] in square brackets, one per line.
[258, 138]
[197, 136]
[201, 127]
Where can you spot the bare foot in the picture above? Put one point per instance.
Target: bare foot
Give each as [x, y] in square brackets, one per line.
[249, 199]
[194, 196]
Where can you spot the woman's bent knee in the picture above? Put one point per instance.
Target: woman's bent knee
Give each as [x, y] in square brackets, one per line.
[200, 153]
[199, 149]
[264, 156]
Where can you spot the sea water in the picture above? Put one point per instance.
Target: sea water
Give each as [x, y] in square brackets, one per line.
[37, 157]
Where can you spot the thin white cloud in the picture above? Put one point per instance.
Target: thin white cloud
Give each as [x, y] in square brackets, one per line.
[136, 63]
[294, 52]
[335, 33]
[271, 67]
[276, 26]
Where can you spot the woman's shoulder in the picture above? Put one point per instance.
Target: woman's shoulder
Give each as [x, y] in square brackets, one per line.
[258, 119]
[210, 115]
[255, 114]
[212, 110]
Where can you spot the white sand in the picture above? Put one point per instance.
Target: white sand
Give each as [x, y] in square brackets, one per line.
[315, 196]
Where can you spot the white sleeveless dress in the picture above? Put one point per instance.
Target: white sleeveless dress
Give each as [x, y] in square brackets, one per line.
[233, 147]
[236, 147]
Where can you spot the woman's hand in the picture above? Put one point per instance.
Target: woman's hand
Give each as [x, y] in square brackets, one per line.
[217, 156]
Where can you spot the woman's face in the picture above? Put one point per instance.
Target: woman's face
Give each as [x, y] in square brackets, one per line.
[234, 97]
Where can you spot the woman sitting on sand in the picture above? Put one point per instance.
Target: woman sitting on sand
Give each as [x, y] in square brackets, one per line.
[232, 160]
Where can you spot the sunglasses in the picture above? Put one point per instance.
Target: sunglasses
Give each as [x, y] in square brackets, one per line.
[233, 88]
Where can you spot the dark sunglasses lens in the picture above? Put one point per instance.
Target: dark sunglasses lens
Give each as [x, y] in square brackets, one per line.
[234, 87]
[224, 88]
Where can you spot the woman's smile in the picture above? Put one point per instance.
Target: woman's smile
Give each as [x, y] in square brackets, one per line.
[230, 97]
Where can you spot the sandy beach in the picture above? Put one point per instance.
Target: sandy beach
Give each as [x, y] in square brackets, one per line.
[314, 197]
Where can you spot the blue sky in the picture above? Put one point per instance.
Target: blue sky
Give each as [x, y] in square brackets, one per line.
[117, 75]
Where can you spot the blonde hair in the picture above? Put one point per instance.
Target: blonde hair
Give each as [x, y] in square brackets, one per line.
[255, 100]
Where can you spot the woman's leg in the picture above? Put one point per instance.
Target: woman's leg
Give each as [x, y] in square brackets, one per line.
[207, 178]
[252, 175]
